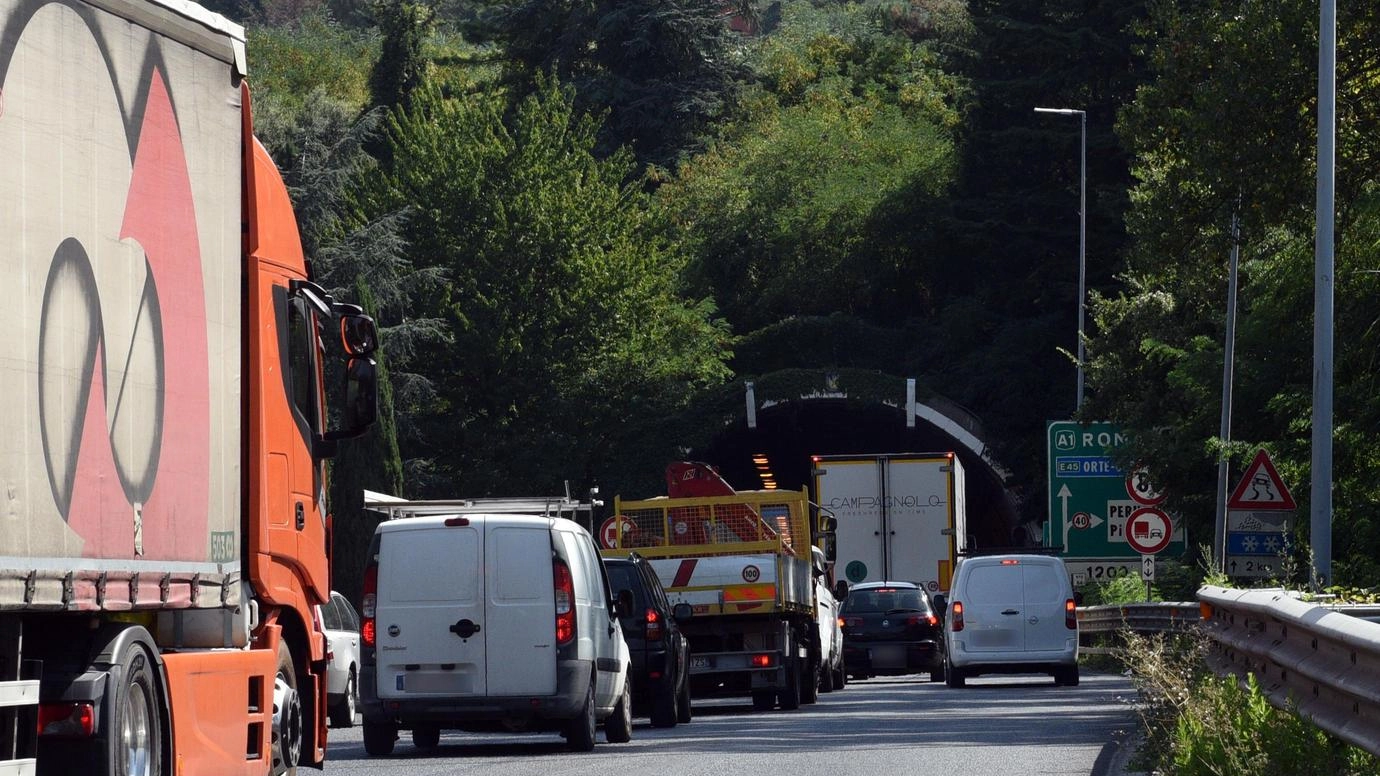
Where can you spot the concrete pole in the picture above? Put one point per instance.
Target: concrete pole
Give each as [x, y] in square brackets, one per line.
[1323, 278]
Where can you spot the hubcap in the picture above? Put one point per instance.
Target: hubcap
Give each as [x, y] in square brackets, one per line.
[287, 726]
[134, 734]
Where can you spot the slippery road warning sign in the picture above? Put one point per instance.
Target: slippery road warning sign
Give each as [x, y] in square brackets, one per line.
[1261, 488]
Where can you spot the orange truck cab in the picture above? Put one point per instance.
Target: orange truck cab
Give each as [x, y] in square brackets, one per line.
[163, 534]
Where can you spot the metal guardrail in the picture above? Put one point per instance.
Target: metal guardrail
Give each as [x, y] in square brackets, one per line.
[1150, 617]
[1320, 662]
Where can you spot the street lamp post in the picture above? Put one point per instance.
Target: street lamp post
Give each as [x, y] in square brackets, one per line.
[1082, 230]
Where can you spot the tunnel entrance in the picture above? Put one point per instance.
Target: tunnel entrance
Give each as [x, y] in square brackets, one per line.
[788, 433]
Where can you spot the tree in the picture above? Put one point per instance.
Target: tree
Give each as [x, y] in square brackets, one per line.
[663, 69]
[562, 298]
[1226, 127]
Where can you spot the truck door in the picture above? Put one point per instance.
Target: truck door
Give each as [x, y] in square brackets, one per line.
[851, 491]
[519, 610]
[431, 619]
[917, 515]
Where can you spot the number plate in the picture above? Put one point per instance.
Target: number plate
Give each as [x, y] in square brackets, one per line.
[701, 662]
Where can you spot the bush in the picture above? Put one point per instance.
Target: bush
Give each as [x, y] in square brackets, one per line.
[1199, 724]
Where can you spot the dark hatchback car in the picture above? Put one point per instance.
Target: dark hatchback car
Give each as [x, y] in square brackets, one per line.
[890, 628]
[660, 670]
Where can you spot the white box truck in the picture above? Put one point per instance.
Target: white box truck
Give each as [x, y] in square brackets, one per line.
[901, 516]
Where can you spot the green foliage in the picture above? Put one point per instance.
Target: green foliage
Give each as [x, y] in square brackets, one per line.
[1224, 128]
[288, 62]
[662, 69]
[1199, 724]
[807, 205]
[562, 299]
[401, 66]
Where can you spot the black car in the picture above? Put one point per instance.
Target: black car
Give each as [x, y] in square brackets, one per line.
[660, 671]
[891, 628]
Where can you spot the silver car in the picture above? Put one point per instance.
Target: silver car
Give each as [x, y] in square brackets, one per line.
[340, 622]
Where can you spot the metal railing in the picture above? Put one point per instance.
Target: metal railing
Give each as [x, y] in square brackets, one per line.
[1320, 662]
[1150, 617]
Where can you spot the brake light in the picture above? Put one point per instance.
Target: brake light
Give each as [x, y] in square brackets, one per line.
[928, 619]
[70, 720]
[761, 661]
[653, 625]
[1070, 614]
[1010, 562]
[851, 622]
[564, 588]
[368, 607]
[956, 618]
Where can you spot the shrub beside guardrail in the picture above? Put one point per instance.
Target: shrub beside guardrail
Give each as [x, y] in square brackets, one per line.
[1149, 617]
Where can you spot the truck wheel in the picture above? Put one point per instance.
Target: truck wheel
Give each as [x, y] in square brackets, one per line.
[683, 711]
[580, 731]
[809, 686]
[287, 716]
[763, 700]
[618, 727]
[138, 728]
[789, 695]
[379, 738]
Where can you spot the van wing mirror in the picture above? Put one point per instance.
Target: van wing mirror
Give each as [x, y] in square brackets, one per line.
[941, 603]
[840, 590]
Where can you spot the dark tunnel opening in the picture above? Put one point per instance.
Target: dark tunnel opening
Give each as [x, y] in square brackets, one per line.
[789, 433]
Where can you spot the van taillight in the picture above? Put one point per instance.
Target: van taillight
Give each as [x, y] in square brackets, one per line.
[956, 619]
[1070, 614]
[370, 605]
[565, 602]
[653, 625]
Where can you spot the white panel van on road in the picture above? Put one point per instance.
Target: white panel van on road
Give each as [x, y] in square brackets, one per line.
[488, 622]
[1011, 614]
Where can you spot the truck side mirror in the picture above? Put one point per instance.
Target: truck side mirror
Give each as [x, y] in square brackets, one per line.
[358, 334]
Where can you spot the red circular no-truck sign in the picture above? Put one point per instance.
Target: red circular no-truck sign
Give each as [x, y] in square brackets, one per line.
[608, 532]
[1148, 530]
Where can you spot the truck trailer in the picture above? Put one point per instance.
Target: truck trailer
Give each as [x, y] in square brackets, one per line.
[901, 517]
[163, 537]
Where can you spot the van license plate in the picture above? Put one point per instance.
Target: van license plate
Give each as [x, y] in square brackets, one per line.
[701, 662]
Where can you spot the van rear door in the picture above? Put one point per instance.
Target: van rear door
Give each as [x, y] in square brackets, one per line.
[1045, 594]
[520, 609]
[993, 607]
[431, 617]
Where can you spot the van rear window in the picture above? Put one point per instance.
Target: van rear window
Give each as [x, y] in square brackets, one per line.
[992, 583]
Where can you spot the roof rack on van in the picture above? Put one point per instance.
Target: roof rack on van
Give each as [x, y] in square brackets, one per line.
[394, 508]
[976, 553]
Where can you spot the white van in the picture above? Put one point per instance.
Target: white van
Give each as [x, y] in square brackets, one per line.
[488, 622]
[1011, 614]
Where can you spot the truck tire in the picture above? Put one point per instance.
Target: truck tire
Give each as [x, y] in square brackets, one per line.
[809, 684]
[580, 731]
[287, 716]
[379, 738]
[789, 694]
[137, 732]
[763, 700]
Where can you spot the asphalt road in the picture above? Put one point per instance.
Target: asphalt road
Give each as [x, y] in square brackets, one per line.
[1012, 726]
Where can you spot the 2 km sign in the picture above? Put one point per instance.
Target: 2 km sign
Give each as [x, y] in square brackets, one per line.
[1096, 510]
